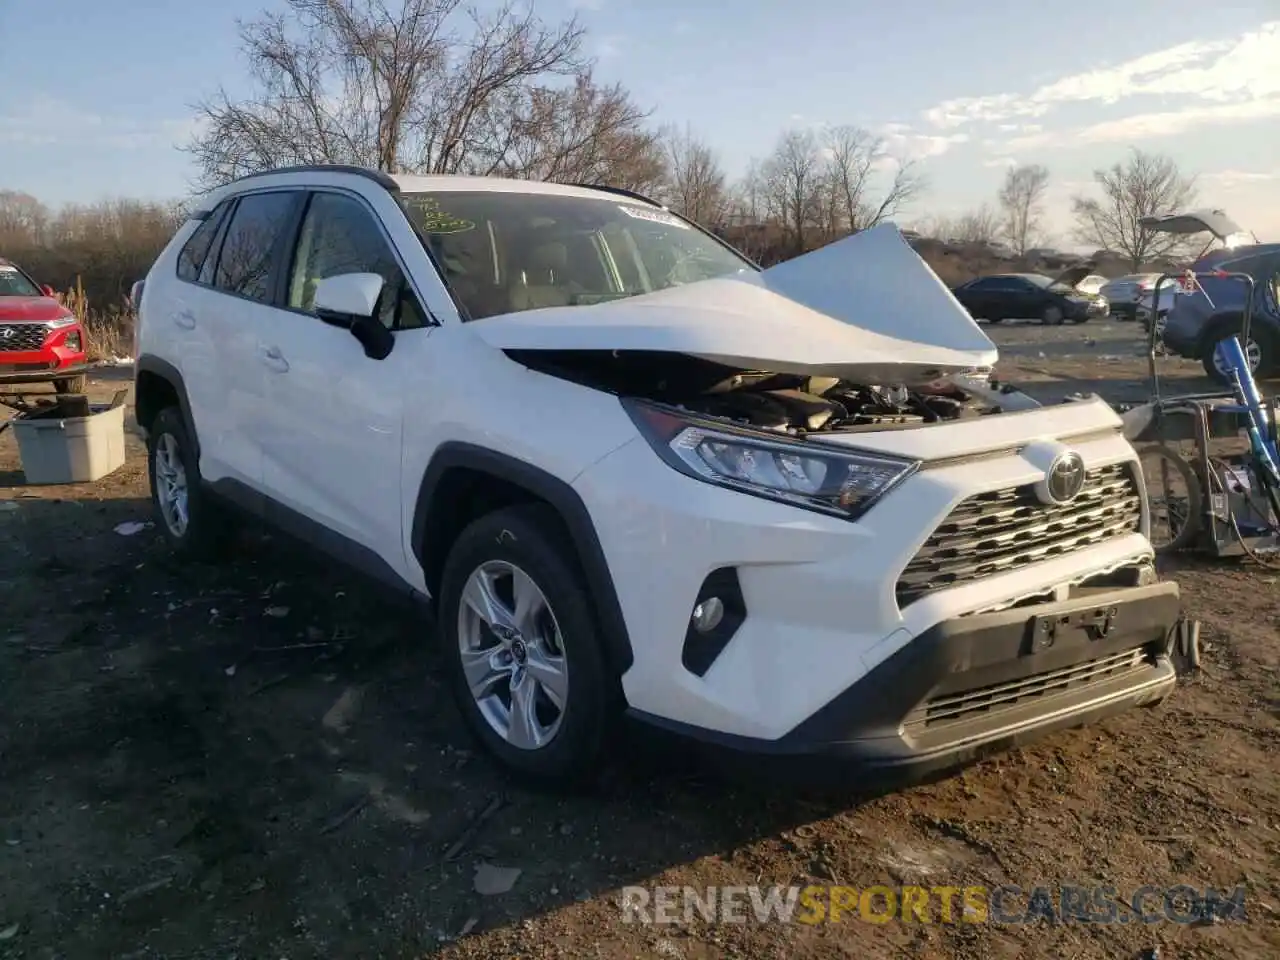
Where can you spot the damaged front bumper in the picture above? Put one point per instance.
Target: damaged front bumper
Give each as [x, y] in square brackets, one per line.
[984, 683]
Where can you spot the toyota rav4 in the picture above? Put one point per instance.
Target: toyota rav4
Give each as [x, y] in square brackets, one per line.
[775, 510]
[41, 341]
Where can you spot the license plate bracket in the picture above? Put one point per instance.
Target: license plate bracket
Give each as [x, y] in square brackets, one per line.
[1086, 625]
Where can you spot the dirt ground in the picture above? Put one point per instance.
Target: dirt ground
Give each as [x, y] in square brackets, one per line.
[258, 760]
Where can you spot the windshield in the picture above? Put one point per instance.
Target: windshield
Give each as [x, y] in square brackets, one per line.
[14, 283]
[503, 252]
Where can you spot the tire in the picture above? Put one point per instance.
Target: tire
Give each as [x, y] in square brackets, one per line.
[1182, 474]
[71, 384]
[1266, 347]
[1052, 316]
[208, 529]
[529, 540]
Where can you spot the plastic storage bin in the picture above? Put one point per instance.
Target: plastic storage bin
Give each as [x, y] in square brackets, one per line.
[59, 449]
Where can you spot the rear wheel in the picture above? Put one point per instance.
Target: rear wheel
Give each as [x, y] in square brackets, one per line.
[193, 523]
[70, 384]
[1259, 351]
[1052, 316]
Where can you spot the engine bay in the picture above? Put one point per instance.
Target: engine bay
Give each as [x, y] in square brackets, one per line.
[779, 402]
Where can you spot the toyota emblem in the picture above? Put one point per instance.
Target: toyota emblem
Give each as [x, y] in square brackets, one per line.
[7, 333]
[1064, 479]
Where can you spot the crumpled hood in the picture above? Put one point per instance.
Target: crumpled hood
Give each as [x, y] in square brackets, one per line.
[864, 308]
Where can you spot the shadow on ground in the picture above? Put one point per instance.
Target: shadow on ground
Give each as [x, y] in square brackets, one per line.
[261, 752]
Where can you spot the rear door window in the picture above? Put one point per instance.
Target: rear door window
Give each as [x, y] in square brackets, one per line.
[251, 245]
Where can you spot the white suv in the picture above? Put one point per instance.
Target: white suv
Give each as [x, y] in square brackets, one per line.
[772, 509]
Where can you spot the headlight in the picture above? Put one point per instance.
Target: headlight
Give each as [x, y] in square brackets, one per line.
[61, 322]
[799, 472]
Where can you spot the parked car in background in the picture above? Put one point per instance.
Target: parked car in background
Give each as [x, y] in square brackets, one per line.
[1092, 284]
[1197, 321]
[1124, 294]
[1026, 296]
[41, 341]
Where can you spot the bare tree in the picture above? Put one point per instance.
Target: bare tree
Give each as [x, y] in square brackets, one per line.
[1021, 200]
[750, 196]
[979, 227]
[854, 160]
[697, 181]
[421, 86]
[23, 219]
[1144, 185]
[793, 181]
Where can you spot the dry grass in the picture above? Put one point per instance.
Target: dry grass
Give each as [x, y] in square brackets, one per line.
[109, 333]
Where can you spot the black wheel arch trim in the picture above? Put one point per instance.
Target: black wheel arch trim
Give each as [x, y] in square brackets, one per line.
[563, 499]
[149, 363]
[1222, 320]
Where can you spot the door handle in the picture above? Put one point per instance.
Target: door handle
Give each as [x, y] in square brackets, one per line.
[185, 319]
[273, 359]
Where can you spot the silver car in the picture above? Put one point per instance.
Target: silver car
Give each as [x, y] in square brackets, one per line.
[1126, 294]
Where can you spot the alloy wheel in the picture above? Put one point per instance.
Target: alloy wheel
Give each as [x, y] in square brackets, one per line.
[513, 656]
[171, 485]
[1252, 352]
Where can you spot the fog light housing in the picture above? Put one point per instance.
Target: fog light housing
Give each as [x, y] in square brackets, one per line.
[72, 341]
[707, 614]
[718, 611]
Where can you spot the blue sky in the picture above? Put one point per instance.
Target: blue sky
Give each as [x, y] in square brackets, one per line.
[95, 103]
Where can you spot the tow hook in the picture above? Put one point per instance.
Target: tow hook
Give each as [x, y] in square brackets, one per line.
[1183, 646]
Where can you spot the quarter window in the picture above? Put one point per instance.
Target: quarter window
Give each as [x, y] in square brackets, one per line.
[194, 251]
[340, 235]
[248, 249]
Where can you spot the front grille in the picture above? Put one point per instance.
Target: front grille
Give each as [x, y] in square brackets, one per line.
[1009, 529]
[22, 336]
[996, 698]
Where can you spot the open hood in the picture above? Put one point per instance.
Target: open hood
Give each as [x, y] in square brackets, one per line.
[1073, 275]
[865, 308]
[1197, 221]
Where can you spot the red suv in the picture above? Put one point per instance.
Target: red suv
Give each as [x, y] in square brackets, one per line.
[40, 339]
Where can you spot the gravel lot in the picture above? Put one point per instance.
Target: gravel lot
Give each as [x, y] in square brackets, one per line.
[258, 761]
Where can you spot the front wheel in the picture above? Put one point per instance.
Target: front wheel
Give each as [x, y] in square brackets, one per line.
[522, 649]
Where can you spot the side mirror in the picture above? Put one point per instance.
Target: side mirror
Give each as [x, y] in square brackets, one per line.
[48, 291]
[351, 301]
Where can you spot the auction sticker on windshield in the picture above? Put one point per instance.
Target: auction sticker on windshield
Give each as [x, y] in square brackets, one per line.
[653, 216]
[431, 219]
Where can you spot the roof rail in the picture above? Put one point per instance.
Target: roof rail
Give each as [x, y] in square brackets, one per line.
[620, 191]
[379, 177]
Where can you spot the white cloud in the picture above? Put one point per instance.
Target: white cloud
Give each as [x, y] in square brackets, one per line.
[1221, 81]
[1146, 126]
[609, 47]
[44, 121]
[1235, 179]
[1000, 163]
[904, 141]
